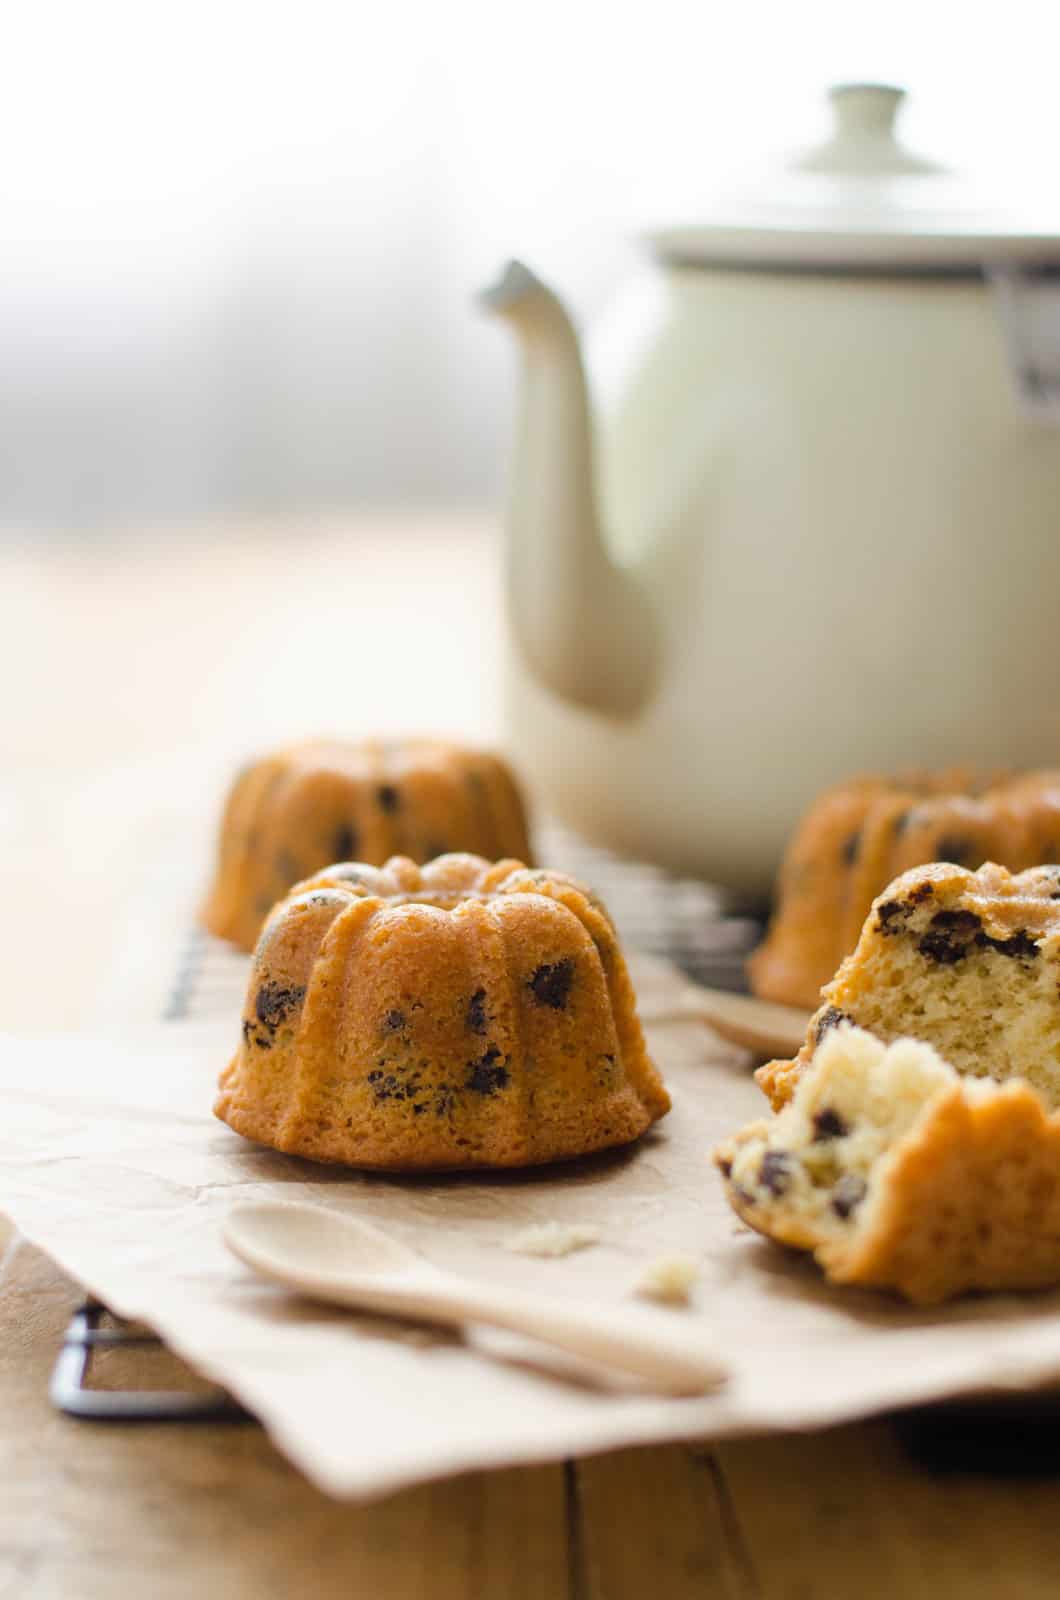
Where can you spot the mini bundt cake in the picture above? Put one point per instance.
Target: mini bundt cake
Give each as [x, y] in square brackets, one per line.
[897, 1173]
[465, 1014]
[967, 961]
[292, 813]
[859, 836]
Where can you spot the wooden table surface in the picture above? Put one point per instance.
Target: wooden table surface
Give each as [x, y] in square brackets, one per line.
[165, 652]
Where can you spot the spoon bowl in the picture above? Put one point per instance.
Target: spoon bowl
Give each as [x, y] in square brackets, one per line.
[319, 1240]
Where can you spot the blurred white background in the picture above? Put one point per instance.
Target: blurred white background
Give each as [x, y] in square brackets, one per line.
[240, 240]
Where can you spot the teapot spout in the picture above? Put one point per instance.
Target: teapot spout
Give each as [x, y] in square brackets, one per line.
[582, 623]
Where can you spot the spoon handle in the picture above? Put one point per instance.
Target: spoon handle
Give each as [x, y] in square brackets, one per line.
[672, 1359]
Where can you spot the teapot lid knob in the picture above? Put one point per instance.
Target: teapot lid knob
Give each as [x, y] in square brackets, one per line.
[864, 142]
[865, 107]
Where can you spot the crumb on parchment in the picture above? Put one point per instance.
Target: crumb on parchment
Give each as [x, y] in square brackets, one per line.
[669, 1279]
[553, 1239]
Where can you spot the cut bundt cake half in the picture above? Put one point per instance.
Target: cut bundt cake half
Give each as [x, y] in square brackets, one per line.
[967, 961]
[898, 1173]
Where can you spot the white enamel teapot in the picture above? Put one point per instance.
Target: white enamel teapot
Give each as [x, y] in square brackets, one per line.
[815, 528]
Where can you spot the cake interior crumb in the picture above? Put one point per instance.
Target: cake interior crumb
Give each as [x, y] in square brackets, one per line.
[824, 1158]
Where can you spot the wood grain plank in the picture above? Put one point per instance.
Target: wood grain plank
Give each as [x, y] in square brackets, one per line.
[848, 1512]
[214, 1511]
[650, 1526]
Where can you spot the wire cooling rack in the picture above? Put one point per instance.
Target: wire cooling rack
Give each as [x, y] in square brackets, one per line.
[674, 919]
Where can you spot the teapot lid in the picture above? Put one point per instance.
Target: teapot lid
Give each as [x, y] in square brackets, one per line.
[862, 201]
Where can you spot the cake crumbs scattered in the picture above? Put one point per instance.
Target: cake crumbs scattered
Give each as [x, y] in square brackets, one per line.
[554, 1239]
[668, 1278]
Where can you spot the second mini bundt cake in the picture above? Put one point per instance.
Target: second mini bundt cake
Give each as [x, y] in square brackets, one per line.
[967, 961]
[465, 1014]
[862, 834]
[292, 813]
[898, 1173]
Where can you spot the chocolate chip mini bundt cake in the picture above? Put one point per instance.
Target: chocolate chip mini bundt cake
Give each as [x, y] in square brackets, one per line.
[296, 811]
[465, 1014]
[967, 961]
[859, 836]
[898, 1173]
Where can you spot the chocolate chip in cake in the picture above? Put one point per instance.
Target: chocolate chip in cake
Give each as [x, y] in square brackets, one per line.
[725, 1168]
[248, 1029]
[774, 1173]
[848, 1194]
[850, 849]
[274, 1003]
[891, 915]
[940, 948]
[1020, 944]
[488, 1074]
[476, 1018]
[828, 1124]
[949, 936]
[345, 842]
[551, 984]
[394, 1021]
[388, 797]
[830, 1018]
[958, 921]
[922, 892]
[393, 1085]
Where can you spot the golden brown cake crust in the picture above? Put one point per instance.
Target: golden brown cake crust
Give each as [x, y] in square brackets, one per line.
[462, 1014]
[949, 915]
[970, 1200]
[294, 812]
[859, 836]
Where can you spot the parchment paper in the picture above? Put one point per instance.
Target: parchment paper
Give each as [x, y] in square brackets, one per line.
[113, 1164]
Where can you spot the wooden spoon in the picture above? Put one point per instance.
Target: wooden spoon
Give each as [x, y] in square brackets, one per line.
[352, 1263]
